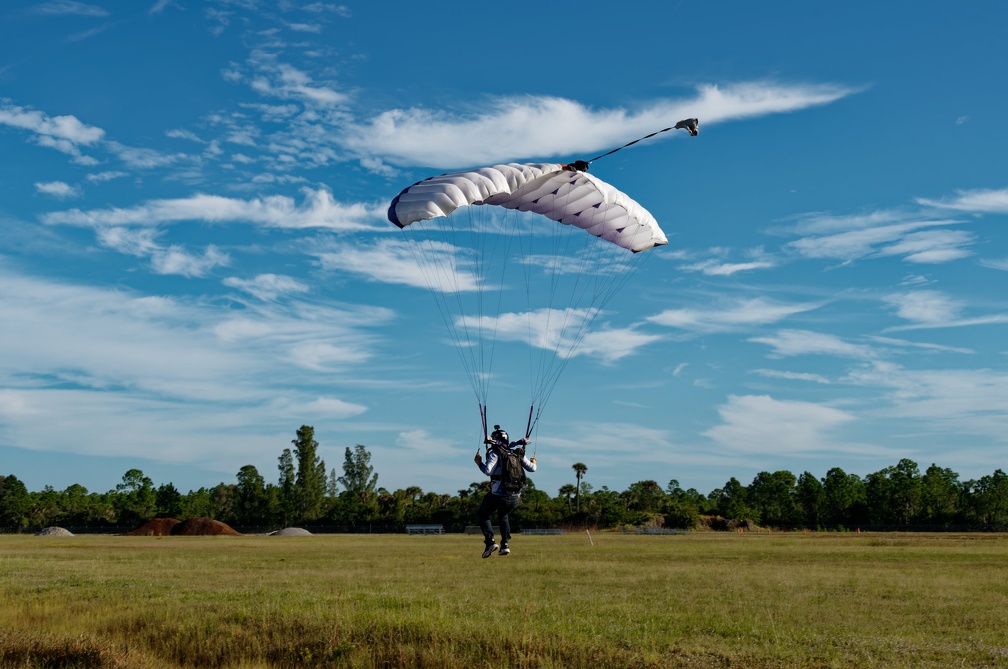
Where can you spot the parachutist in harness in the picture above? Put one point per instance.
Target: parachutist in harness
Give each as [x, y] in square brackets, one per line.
[506, 465]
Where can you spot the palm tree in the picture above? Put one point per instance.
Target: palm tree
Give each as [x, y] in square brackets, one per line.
[567, 490]
[579, 469]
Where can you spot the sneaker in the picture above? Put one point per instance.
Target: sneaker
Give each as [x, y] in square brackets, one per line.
[505, 550]
[490, 550]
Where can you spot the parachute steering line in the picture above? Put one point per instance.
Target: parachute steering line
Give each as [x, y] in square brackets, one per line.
[690, 125]
[550, 233]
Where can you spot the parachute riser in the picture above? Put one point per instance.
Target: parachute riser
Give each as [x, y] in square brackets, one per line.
[483, 416]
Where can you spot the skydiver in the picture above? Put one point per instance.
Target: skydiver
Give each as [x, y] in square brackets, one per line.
[504, 496]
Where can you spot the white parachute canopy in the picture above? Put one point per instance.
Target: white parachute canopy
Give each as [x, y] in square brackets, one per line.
[559, 192]
[548, 245]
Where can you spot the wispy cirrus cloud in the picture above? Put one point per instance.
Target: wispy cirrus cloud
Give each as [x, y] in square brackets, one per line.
[179, 261]
[539, 127]
[435, 265]
[931, 309]
[792, 376]
[267, 286]
[925, 306]
[58, 189]
[266, 74]
[719, 264]
[953, 401]
[847, 239]
[64, 133]
[68, 8]
[173, 259]
[318, 210]
[728, 316]
[979, 200]
[789, 343]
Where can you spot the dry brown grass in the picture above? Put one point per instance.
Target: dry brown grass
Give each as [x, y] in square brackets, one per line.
[705, 600]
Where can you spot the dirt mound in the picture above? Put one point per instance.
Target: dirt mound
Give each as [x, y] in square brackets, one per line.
[156, 527]
[291, 532]
[54, 532]
[203, 527]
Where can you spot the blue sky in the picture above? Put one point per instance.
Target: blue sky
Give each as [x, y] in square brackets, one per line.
[176, 178]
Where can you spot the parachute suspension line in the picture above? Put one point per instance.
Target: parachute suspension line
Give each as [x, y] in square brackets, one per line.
[440, 271]
[509, 220]
[614, 289]
[690, 125]
[596, 278]
[551, 347]
[607, 269]
[426, 266]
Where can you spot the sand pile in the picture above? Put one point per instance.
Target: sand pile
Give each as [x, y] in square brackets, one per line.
[156, 527]
[54, 532]
[291, 532]
[203, 527]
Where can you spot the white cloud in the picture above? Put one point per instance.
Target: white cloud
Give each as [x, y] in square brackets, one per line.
[731, 316]
[333, 407]
[763, 425]
[267, 286]
[405, 263]
[63, 133]
[539, 127]
[903, 343]
[139, 242]
[925, 307]
[930, 309]
[953, 401]
[550, 329]
[1000, 263]
[122, 348]
[792, 376]
[176, 260]
[57, 189]
[108, 175]
[68, 8]
[144, 158]
[917, 240]
[612, 344]
[788, 343]
[980, 200]
[323, 356]
[272, 78]
[318, 210]
[718, 268]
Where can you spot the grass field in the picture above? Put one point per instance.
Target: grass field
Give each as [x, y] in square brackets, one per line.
[697, 600]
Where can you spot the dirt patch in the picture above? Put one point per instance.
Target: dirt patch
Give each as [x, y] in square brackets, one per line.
[203, 527]
[156, 527]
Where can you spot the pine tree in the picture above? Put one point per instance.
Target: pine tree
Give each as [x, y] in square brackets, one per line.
[310, 481]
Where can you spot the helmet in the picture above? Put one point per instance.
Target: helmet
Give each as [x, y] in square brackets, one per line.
[499, 434]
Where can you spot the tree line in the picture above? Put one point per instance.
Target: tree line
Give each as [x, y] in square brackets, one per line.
[304, 494]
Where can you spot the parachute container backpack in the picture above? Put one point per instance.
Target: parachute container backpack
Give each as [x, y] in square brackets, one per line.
[523, 255]
[512, 476]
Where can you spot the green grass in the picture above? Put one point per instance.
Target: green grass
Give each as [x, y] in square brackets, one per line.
[698, 600]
